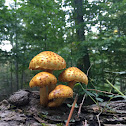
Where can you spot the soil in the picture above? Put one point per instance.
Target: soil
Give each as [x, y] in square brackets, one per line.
[23, 109]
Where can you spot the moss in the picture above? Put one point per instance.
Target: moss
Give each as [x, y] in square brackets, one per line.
[43, 124]
[59, 124]
[42, 116]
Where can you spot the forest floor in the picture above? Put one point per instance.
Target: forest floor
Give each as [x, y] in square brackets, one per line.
[23, 109]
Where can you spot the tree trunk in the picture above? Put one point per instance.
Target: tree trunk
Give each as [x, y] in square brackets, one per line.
[16, 53]
[16, 69]
[84, 62]
[11, 79]
[22, 78]
[23, 64]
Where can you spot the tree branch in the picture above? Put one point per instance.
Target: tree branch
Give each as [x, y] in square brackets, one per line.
[71, 111]
[101, 91]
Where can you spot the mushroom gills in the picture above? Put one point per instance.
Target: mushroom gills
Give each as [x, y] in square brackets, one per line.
[56, 102]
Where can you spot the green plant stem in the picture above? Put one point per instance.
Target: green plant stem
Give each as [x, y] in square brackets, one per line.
[89, 95]
[115, 88]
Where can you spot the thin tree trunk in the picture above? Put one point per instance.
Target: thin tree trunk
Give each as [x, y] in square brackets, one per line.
[23, 68]
[16, 56]
[79, 21]
[11, 79]
[22, 78]
[16, 69]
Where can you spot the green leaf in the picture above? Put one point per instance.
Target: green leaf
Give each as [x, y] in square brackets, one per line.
[99, 99]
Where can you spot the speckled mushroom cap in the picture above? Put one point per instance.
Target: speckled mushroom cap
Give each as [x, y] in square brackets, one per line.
[42, 79]
[61, 91]
[47, 60]
[73, 74]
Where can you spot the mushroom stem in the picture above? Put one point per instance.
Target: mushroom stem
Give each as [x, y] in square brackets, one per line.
[71, 84]
[51, 87]
[50, 71]
[57, 102]
[43, 96]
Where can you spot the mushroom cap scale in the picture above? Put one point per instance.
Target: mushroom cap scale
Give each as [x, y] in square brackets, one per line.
[61, 91]
[47, 60]
[43, 79]
[73, 74]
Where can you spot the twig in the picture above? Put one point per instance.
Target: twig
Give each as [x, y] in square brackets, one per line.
[99, 124]
[101, 91]
[71, 111]
[89, 69]
[39, 119]
[79, 111]
[84, 123]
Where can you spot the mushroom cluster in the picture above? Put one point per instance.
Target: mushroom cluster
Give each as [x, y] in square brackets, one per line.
[50, 94]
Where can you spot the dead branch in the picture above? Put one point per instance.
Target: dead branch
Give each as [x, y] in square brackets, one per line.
[71, 111]
[79, 111]
[98, 117]
[89, 69]
[101, 91]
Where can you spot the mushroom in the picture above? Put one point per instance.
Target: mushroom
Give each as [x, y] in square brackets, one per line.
[59, 94]
[73, 75]
[42, 80]
[47, 61]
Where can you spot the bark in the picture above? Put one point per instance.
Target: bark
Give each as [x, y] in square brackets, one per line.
[23, 108]
[22, 78]
[16, 69]
[16, 55]
[84, 62]
[11, 78]
[23, 68]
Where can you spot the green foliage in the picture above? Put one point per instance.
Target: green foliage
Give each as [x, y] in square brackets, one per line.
[43, 124]
[95, 95]
[46, 18]
[59, 124]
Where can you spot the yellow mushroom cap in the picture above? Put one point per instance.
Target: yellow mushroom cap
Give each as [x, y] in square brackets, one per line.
[47, 60]
[61, 91]
[73, 74]
[42, 79]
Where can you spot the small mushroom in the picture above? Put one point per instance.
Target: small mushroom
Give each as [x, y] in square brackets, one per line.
[42, 80]
[59, 94]
[47, 61]
[73, 75]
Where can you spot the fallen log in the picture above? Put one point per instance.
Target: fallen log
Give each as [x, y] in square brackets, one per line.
[23, 108]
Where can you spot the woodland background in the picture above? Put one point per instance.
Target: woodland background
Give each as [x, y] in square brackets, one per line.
[66, 28]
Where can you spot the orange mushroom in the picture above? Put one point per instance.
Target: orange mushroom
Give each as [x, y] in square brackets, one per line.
[59, 94]
[47, 61]
[73, 75]
[42, 80]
